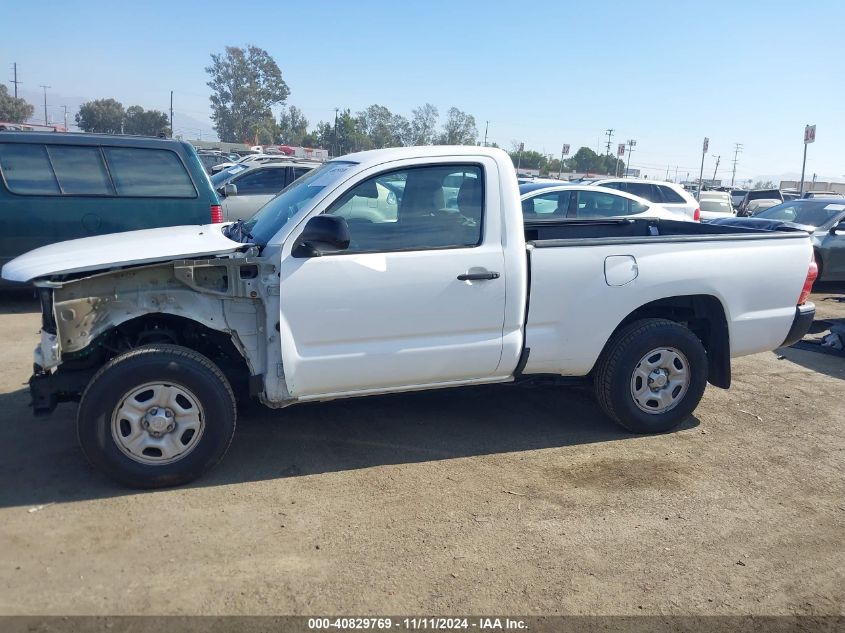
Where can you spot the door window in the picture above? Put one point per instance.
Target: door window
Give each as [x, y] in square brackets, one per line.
[598, 204]
[547, 205]
[643, 190]
[80, 170]
[417, 208]
[266, 182]
[298, 172]
[26, 169]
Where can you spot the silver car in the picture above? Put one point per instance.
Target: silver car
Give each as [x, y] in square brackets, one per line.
[244, 190]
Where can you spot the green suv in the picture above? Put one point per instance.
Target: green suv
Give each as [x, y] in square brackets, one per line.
[56, 187]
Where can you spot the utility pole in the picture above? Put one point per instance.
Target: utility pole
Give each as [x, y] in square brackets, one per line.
[737, 150]
[334, 142]
[64, 108]
[632, 143]
[45, 103]
[704, 149]
[15, 80]
[486, 125]
[667, 172]
[676, 175]
[718, 158]
[609, 134]
[171, 114]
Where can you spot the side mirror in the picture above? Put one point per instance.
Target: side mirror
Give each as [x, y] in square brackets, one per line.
[838, 228]
[322, 234]
[230, 189]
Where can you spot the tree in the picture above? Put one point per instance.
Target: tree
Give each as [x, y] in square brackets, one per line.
[459, 129]
[13, 109]
[424, 125]
[105, 116]
[293, 126]
[244, 84]
[764, 184]
[382, 127]
[145, 122]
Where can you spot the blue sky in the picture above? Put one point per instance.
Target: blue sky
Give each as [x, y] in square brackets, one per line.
[664, 73]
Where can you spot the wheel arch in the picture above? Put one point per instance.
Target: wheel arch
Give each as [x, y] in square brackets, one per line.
[705, 316]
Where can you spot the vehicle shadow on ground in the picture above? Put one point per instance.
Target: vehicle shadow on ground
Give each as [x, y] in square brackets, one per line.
[42, 463]
[810, 354]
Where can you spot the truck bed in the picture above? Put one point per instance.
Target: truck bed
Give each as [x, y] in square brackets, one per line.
[588, 276]
[552, 233]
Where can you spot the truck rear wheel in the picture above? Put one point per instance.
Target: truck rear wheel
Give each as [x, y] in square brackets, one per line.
[651, 376]
[159, 415]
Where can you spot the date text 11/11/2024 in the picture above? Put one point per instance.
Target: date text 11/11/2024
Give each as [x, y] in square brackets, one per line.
[417, 623]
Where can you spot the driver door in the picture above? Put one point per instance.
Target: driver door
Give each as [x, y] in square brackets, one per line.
[390, 312]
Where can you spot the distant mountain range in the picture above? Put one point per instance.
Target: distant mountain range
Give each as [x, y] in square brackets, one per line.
[186, 126]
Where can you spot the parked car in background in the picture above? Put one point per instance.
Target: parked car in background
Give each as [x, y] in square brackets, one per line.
[715, 204]
[823, 217]
[809, 195]
[543, 201]
[251, 159]
[209, 160]
[757, 206]
[758, 194]
[667, 194]
[737, 196]
[245, 191]
[57, 186]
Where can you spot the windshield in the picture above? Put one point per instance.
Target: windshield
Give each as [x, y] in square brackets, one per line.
[805, 212]
[222, 176]
[290, 200]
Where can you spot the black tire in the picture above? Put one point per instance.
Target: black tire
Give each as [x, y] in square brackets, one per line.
[170, 365]
[612, 378]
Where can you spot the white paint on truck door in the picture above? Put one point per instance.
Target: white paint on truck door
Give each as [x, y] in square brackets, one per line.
[391, 311]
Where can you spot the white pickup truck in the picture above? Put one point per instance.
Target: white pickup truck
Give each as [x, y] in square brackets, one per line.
[387, 271]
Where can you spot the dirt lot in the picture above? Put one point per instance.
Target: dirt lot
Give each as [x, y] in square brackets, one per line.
[492, 499]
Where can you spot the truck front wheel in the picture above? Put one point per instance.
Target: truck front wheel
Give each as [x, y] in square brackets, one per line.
[651, 376]
[159, 415]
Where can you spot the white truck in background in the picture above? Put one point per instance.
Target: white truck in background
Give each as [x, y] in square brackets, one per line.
[369, 276]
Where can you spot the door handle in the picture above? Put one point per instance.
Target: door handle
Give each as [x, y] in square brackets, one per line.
[478, 276]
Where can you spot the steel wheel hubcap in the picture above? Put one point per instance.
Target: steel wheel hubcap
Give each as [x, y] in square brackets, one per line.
[660, 380]
[157, 423]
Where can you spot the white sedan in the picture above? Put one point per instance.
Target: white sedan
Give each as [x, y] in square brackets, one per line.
[542, 201]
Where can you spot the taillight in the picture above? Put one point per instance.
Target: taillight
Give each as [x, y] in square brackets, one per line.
[812, 274]
[216, 214]
[697, 215]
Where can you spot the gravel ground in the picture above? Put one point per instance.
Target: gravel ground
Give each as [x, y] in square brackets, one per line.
[484, 500]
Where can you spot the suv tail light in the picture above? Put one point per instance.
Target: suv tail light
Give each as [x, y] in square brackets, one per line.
[697, 214]
[216, 214]
[812, 274]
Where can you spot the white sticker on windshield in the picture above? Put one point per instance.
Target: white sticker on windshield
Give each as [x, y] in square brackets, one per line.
[329, 175]
[835, 207]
